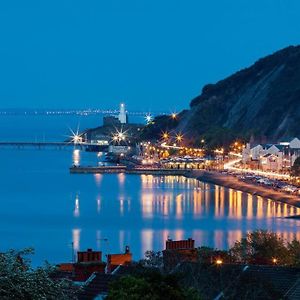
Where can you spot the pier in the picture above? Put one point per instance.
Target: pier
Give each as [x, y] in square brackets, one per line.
[54, 144]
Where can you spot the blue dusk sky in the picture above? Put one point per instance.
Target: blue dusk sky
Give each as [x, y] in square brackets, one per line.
[152, 54]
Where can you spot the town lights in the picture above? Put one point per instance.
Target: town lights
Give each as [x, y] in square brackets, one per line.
[165, 135]
[119, 136]
[274, 260]
[173, 116]
[179, 137]
[76, 138]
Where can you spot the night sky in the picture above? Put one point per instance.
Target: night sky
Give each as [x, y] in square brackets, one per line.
[154, 55]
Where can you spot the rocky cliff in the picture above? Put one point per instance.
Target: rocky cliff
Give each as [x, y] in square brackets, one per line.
[262, 101]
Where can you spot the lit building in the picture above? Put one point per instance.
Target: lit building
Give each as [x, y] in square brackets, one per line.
[272, 157]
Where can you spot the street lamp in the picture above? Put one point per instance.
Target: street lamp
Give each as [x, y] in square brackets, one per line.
[173, 116]
[165, 135]
[179, 137]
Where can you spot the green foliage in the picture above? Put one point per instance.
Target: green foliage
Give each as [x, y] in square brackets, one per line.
[207, 255]
[152, 259]
[19, 281]
[150, 286]
[261, 247]
[160, 124]
[295, 170]
[262, 100]
[294, 252]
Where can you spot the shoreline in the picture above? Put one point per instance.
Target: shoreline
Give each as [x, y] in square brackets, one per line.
[232, 182]
[213, 177]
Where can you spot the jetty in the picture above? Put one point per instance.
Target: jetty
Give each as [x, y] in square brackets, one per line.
[52, 144]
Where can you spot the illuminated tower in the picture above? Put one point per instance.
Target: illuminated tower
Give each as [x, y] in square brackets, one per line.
[122, 114]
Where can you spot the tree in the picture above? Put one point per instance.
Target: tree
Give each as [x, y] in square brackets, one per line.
[294, 252]
[209, 255]
[261, 247]
[150, 286]
[19, 281]
[152, 259]
[295, 170]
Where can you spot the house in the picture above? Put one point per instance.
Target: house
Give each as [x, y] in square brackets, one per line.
[179, 251]
[115, 260]
[272, 157]
[87, 263]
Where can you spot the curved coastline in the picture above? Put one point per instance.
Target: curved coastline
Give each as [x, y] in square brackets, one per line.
[232, 182]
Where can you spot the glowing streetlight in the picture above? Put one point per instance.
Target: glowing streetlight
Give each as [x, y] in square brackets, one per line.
[119, 136]
[173, 116]
[165, 135]
[179, 137]
[274, 260]
[76, 138]
[219, 262]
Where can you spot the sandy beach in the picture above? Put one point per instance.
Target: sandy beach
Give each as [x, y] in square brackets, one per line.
[252, 188]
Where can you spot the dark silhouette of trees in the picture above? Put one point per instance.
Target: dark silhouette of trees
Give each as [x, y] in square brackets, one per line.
[19, 281]
[295, 170]
[150, 285]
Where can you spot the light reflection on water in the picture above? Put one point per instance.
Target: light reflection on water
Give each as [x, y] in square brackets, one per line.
[43, 206]
[179, 207]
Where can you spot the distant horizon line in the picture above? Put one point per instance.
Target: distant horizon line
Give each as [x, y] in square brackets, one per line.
[81, 111]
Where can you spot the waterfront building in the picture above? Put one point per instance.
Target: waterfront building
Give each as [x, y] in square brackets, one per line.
[99, 139]
[119, 149]
[272, 157]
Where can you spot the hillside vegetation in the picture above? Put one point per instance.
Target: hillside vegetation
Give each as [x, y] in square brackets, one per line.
[262, 102]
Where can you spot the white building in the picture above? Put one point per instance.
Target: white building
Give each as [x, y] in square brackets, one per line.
[122, 114]
[272, 157]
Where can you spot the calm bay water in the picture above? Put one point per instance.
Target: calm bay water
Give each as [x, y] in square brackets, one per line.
[45, 207]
